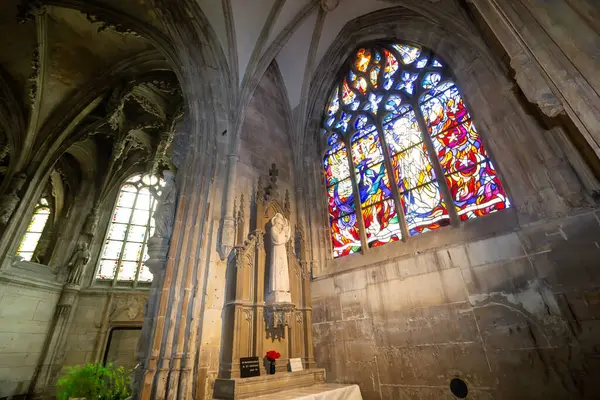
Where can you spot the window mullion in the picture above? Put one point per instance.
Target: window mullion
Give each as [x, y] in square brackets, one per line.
[392, 179]
[439, 172]
[357, 203]
[145, 242]
[116, 278]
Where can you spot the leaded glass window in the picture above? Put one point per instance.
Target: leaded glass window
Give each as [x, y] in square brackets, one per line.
[403, 154]
[125, 248]
[32, 236]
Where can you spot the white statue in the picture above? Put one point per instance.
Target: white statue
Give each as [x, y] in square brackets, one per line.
[164, 216]
[279, 284]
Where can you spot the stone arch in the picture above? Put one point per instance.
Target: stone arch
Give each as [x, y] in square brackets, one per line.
[483, 82]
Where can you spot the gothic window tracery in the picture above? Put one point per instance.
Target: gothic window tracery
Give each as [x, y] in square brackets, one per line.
[403, 154]
[32, 236]
[125, 247]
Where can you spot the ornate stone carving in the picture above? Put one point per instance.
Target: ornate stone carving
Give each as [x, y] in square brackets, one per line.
[117, 27]
[33, 77]
[248, 314]
[9, 201]
[164, 216]
[133, 306]
[279, 282]
[534, 86]
[272, 190]
[278, 315]
[77, 263]
[27, 10]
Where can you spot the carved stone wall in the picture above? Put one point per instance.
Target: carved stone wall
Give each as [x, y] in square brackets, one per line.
[505, 302]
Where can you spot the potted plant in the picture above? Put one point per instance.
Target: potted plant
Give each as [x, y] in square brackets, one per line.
[94, 382]
[272, 355]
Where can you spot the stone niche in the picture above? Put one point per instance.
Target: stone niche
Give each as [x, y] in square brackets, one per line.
[253, 323]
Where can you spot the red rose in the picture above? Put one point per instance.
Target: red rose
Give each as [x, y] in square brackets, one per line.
[272, 355]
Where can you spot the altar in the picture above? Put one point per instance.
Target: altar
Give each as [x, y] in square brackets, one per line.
[330, 391]
[267, 306]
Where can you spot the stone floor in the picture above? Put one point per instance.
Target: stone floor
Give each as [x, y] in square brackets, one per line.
[327, 391]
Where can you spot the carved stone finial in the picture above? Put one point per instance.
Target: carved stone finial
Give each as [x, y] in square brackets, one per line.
[273, 188]
[286, 205]
[260, 191]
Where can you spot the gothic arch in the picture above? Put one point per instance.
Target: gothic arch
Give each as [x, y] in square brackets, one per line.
[483, 82]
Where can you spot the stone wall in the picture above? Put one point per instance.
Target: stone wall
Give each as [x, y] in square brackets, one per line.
[25, 314]
[97, 313]
[513, 315]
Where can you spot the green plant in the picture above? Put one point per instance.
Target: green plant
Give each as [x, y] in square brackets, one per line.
[94, 382]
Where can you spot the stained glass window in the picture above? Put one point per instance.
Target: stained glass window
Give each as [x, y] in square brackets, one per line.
[125, 247]
[403, 154]
[32, 236]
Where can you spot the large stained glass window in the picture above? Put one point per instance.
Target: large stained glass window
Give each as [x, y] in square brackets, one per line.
[122, 257]
[41, 214]
[403, 154]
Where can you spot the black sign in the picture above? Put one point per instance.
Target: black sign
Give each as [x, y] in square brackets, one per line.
[249, 367]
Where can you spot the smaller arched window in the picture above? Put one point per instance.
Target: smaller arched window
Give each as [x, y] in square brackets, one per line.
[125, 247]
[41, 214]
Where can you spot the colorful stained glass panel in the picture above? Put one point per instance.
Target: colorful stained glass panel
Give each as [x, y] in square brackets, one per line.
[431, 79]
[381, 223]
[477, 191]
[341, 199]
[363, 57]
[412, 168]
[366, 150]
[391, 65]
[407, 82]
[402, 133]
[336, 166]
[459, 147]
[345, 236]
[347, 94]
[408, 53]
[373, 185]
[374, 76]
[444, 111]
[424, 209]
[334, 104]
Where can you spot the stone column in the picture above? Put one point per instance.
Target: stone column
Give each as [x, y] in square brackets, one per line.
[147, 360]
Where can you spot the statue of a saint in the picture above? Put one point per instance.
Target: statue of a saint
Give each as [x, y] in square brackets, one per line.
[79, 259]
[164, 216]
[279, 285]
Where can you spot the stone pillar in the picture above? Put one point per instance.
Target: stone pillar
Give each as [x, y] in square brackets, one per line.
[157, 250]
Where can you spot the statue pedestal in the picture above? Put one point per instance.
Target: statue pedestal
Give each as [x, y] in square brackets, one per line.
[244, 388]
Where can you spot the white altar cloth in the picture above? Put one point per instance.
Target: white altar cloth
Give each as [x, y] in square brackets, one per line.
[327, 391]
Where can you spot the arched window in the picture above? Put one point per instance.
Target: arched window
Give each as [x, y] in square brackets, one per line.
[413, 151]
[122, 257]
[34, 230]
